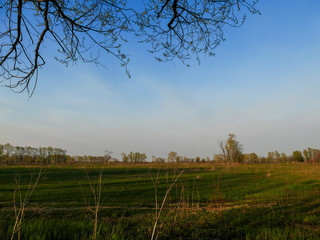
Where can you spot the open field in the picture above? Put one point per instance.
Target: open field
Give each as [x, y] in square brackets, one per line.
[272, 201]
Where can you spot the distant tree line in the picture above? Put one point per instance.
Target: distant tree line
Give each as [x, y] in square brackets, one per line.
[29, 155]
[46, 155]
[107, 158]
[173, 157]
[231, 152]
[134, 157]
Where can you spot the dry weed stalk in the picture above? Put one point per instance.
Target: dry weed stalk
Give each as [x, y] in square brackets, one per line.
[155, 183]
[215, 196]
[192, 196]
[181, 205]
[96, 191]
[19, 210]
[2, 210]
[174, 181]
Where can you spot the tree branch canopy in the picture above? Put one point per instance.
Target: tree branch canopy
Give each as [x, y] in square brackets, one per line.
[80, 30]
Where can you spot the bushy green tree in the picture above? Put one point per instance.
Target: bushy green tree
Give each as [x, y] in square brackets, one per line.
[297, 156]
[172, 156]
[251, 158]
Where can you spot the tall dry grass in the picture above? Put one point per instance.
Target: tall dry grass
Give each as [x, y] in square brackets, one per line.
[19, 209]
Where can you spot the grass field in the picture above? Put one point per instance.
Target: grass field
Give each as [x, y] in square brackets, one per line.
[272, 201]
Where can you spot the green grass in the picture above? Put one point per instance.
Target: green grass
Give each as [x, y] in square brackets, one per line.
[272, 201]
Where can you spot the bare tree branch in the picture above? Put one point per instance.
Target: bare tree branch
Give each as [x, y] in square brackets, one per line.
[174, 29]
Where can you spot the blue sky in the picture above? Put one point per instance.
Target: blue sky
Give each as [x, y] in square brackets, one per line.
[263, 85]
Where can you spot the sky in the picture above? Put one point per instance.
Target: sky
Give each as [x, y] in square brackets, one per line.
[262, 85]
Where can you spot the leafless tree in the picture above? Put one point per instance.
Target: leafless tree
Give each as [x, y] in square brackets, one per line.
[107, 156]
